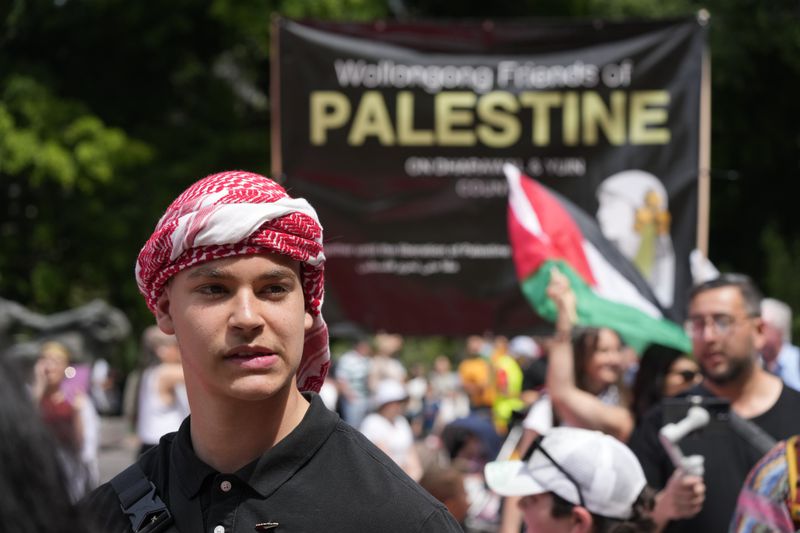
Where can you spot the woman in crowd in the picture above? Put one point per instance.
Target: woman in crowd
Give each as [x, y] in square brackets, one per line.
[583, 388]
[389, 430]
[66, 417]
[33, 488]
[584, 377]
[162, 403]
[384, 364]
[663, 372]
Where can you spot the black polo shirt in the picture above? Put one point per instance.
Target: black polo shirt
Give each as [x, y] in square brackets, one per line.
[324, 476]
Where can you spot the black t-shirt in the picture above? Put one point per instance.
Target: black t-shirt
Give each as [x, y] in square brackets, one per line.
[728, 457]
[324, 476]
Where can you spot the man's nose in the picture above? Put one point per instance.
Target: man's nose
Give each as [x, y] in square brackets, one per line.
[709, 332]
[245, 315]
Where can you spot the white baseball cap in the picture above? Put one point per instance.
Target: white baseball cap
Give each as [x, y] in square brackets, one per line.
[387, 391]
[606, 472]
[524, 346]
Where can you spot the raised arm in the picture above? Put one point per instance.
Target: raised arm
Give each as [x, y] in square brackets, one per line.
[574, 406]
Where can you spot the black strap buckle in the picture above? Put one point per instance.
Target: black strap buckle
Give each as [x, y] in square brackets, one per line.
[149, 514]
[140, 501]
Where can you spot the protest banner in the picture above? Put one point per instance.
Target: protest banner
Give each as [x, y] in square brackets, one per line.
[397, 132]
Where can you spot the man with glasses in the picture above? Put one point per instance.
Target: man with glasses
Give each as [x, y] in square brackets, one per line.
[727, 335]
[576, 480]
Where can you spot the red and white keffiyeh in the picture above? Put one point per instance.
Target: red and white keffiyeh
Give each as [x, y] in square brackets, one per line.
[241, 213]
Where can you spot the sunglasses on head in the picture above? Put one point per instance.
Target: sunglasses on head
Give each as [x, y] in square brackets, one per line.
[537, 445]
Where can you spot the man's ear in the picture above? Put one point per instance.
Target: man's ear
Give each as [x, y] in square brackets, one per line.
[163, 316]
[308, 321]
[759, 333]
[581, 520]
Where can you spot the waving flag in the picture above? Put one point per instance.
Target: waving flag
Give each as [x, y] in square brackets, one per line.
[547, 231]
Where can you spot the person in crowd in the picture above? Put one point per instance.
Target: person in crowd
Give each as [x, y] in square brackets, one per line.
[470, 443]
[727, 333]
[584, 376]
[385, 363]
[778, 354]
[529, 356]
[34, 493]
[104, 389]
[448, 399]
[352, 377]
[442, 379]
[70, 417]
[446, 484]
[418, 390]
[769, 500]
[583, 387]
[507, 385]
[663, 372]
[475, 372]
[163, 403]
[234, 269]
[576, 480]
[388, 428]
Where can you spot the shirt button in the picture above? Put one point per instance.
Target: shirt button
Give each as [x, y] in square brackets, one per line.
[219, 529]
[225, 486]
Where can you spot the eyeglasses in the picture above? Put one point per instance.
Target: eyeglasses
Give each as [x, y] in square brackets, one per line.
[721, 324]
[537, 445]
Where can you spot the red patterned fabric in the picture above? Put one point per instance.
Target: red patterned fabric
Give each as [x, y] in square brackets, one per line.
[241, 213]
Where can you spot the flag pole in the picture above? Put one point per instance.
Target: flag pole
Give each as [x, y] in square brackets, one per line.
[704, 159]
[274, 90]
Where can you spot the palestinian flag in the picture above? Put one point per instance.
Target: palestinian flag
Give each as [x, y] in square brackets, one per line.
[548, 231]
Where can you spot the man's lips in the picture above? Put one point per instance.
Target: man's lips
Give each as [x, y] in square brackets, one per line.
[713, 357]
[247, 352]
[251, 357]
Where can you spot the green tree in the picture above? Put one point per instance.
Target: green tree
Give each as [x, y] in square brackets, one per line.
[58, 163]
[108, 110]
[783, 263]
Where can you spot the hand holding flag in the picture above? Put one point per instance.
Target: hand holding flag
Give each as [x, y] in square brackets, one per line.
[562, 295]
[547, 232]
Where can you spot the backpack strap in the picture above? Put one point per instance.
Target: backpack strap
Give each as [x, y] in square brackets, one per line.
[793, 499]
[140, 501]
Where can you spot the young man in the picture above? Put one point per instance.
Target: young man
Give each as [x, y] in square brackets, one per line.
[575, 481]
[727, 334]
[234, 270]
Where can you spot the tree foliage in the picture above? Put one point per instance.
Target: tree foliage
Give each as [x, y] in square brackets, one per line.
[58, 161]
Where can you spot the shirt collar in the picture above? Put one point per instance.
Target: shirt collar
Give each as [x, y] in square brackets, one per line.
[191, 470]
[280, 463]
[267, 473]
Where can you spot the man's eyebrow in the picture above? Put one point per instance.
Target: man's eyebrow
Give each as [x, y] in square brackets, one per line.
[277, 273]
[207, 272]
[220, 273]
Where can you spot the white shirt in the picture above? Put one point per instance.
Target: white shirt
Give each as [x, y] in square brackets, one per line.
[787, 365]
[394, 437]
[155, 418]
